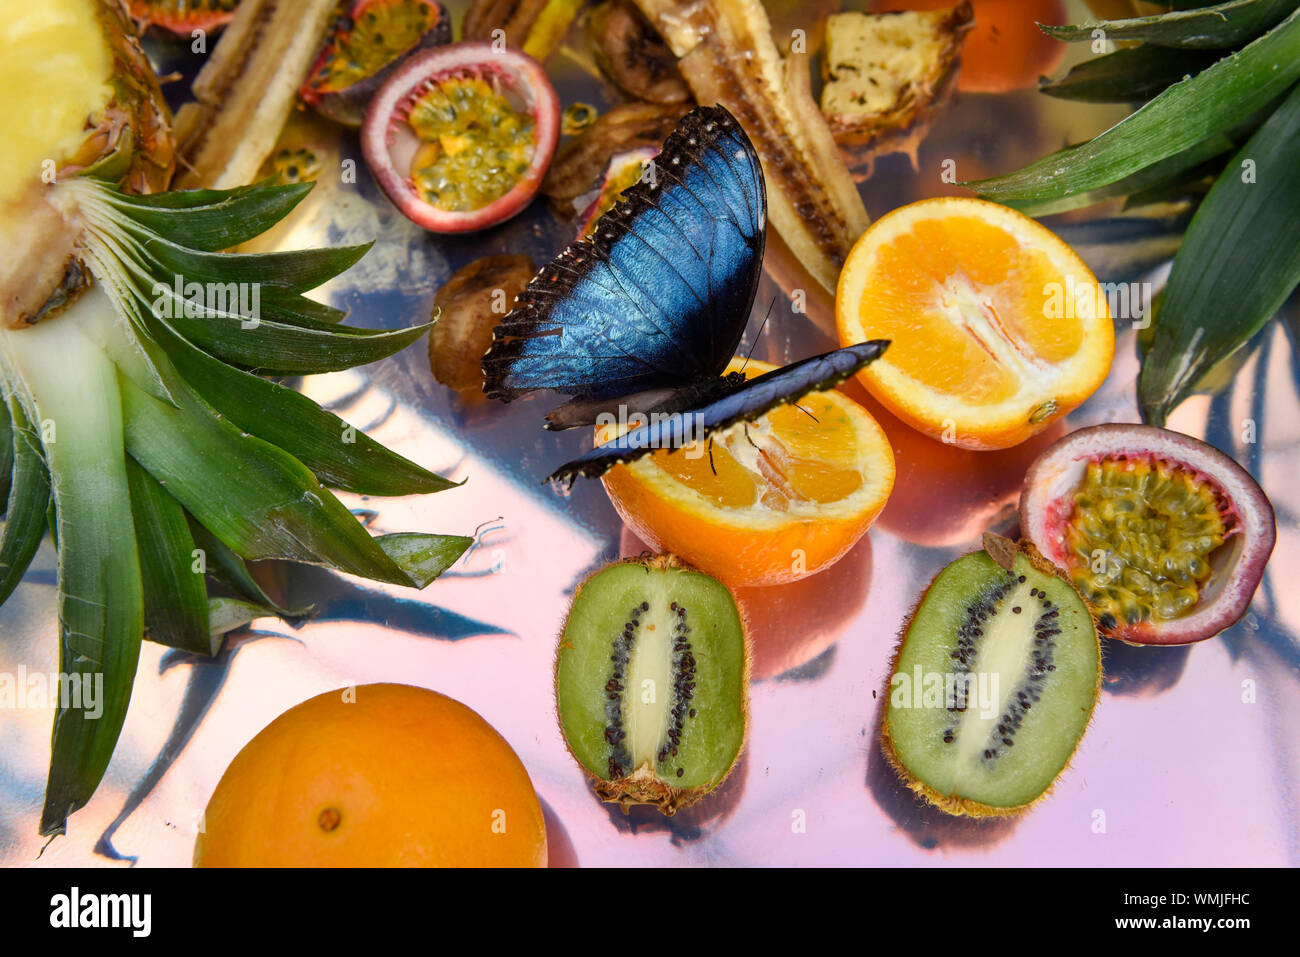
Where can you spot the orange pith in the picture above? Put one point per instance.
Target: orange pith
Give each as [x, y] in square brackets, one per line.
[997, 328]
[777, 500]
[381, 775]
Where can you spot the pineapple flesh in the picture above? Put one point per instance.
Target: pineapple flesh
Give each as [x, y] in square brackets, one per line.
[77, 89]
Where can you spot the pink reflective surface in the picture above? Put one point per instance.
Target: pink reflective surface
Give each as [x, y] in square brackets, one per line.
[1192, 759]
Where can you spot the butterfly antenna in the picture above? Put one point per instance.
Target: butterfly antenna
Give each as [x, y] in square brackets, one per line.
[806, 412]
[713, 468]
[754, 344]
[748, 438]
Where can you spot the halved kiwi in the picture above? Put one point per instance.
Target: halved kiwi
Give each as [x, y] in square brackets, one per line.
[994, 683]
[651, 682]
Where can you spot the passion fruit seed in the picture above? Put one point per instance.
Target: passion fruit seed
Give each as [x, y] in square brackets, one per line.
[476, 145]
[576, 118]
[1140, 536]
[363, 46]
[293, 164]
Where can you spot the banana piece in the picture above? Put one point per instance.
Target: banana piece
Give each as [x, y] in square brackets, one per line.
[246, 90]
[726, 54]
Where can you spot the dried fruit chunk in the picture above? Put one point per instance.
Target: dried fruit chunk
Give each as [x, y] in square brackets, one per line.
[246, 91]
[651, 680]
[633, 55]
[726, 54]
[460, 137]
[364, 48]
[1165, 536]
[467, 308]
[994, 684]
[537, 27]
[885, 73]
[629, 126]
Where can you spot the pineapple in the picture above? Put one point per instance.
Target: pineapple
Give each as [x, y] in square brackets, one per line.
[134, 424]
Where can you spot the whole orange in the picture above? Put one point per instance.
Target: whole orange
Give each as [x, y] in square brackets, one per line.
[383, 775]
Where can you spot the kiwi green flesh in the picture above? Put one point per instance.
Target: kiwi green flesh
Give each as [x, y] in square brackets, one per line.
[1034, 677]
[699, 670]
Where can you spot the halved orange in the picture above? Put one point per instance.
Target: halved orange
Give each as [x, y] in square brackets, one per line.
[772, 501]
[997, 327]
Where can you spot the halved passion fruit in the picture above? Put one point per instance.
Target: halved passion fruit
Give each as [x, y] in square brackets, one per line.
[364, 47]
[623, 171]
[183, 16]
[460, 137]
[1164, 536]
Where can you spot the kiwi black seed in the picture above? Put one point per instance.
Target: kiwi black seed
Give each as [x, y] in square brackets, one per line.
[993, 686]
[651, 682]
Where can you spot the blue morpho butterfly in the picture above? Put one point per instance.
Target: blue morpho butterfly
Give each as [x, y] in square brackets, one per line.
[647, 313]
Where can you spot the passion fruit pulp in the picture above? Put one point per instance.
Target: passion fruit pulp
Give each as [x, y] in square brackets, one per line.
[623, 171]
[460, 137]
[363, 49]
[1164, 536]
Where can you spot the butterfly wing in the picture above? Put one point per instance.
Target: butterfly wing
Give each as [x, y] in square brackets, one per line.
[744, 402]
[659, 296]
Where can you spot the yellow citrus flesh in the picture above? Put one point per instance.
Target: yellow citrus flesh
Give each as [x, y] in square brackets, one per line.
[54, 73]
[997, 327]
[386, 776]
[779, 499]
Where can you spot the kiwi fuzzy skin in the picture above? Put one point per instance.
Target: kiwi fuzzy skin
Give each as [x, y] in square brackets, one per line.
[949, 803]
[643, 786]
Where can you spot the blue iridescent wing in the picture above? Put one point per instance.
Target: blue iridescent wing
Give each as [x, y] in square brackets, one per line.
[659, 296]
[744, 401]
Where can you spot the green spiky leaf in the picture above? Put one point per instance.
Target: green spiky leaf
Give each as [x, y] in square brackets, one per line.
[100, 593]
[341, 456]
[1232, 273]
[27, 499]
[175, 596]
[254, 496]
[1131, 75]
[1186, 114]
[209, 219]
[1218, 26]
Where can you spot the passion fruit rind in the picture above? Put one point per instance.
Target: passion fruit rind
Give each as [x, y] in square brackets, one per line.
[1000, 550]
[179, 18]
[391, 145]
[351, 66]
[1147, 488]
[642, 786]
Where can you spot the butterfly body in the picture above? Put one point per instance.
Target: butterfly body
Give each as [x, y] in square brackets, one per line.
[644, 317]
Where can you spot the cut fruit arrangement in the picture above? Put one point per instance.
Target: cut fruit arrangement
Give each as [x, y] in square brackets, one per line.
[968, 321]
